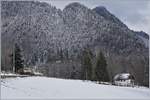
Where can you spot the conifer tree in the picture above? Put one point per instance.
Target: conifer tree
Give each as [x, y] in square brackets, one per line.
[18, 58]
[87, 64]
[101, 73]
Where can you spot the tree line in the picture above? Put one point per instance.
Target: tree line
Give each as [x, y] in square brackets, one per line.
[94, 68]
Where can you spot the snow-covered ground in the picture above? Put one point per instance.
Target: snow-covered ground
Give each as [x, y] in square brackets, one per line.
[52, 88]
[9, 74]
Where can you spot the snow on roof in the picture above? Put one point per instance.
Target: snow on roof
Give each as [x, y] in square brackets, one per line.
[122, 76]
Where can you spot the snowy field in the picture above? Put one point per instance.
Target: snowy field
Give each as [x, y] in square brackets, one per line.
[52, 88]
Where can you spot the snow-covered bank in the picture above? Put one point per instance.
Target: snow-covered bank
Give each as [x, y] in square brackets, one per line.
[8, 74]
[44, 88]
[11, 75]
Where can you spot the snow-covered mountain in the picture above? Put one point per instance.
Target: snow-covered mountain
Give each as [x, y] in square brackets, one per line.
[47, 34]
[102, 11]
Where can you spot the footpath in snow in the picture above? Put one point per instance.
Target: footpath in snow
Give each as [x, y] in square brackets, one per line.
[52, 88]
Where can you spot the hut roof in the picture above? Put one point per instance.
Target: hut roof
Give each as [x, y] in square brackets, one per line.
[123, 76]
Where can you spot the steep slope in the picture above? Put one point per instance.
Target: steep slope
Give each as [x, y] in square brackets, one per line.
[47, 35]
[95, 26]
[102, 11]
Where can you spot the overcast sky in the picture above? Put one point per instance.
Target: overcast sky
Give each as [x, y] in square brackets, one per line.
[134, 13]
